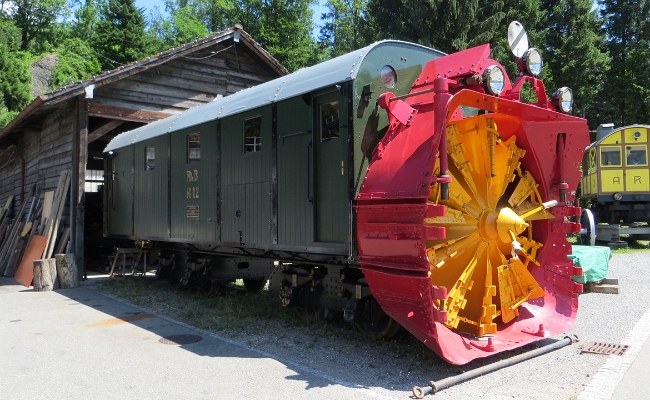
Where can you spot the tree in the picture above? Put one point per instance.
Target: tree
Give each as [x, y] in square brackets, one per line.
[86, 16]
[120, 36]
[442, 24]
[15, 79]
[283, 27]
[212, 13]
[77, 61]
[627, 87]
[575, 49]
[342, 31]
[36, 19]
[489, 24]
[182, 26]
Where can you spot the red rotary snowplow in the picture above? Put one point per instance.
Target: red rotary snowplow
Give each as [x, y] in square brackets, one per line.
[463, 213]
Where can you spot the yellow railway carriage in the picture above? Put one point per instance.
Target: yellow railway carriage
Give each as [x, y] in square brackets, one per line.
[616, 176]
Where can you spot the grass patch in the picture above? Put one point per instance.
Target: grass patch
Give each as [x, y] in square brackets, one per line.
[633, 246]
[237, 312]
[235, 309]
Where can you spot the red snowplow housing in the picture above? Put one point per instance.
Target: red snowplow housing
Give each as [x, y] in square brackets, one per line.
[459, 234]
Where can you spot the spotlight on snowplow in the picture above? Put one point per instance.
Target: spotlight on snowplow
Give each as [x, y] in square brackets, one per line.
[494, 79]
[533, 61]
[563, 99]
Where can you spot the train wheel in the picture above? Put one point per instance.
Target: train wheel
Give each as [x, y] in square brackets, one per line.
[254, 285]
[587, 228]
[386, 328]
[483, 261]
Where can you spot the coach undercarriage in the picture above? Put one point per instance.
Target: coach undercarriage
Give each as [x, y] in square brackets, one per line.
[302, 282]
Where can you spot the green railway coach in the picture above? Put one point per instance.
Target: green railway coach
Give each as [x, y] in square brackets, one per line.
[271, 168]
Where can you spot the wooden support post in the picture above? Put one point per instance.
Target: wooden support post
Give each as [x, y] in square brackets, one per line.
[66, 269]
[45, 275]
[77, 187]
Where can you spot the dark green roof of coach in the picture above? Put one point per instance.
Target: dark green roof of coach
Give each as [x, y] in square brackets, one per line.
[328, 73]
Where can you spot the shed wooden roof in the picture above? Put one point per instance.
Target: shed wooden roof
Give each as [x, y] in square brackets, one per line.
[162, 85]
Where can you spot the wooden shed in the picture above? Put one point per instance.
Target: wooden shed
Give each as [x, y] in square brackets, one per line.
[68, 129]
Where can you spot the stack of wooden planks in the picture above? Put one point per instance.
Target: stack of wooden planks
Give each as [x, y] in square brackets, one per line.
[33, 232]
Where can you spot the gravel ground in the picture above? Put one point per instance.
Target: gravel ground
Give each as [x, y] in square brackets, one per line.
[390, 369]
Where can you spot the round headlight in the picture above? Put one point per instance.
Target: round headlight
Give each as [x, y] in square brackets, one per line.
[617, 196]
[563, 99]
[494, 79]
[533, 61]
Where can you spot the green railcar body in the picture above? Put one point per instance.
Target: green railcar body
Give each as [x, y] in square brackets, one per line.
[275, 166]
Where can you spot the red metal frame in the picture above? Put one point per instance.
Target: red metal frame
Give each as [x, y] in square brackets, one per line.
[392, 204]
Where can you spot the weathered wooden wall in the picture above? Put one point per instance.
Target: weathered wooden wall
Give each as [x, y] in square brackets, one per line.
[184, 82]
[46, 154]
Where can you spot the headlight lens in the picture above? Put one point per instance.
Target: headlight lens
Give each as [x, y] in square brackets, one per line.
[618, 196]
[563, 99]
[494, 79]
[533, 61]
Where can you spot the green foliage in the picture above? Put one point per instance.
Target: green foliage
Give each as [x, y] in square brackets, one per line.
[36, 20]
[212, 13]
[489, 23]
[283, 27]
[183, 26]
[6, 116]
[442, 24]
[15, 79]
[627, 28]
[576, 46]
[86, 17]
[120, 36]
[343, 30]
[77, 61]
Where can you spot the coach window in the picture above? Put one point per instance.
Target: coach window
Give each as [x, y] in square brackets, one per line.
[253, 135]
[149, 158]
[328, 115]
[388, 76]
[610, 156]
[194, 147]
[636, 155]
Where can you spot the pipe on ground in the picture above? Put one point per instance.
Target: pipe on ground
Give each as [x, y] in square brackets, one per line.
[434, 387]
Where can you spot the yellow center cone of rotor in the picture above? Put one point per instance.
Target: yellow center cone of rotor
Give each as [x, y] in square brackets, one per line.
[497, 225]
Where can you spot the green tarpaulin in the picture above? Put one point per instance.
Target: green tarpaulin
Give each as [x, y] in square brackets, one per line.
[593, 260]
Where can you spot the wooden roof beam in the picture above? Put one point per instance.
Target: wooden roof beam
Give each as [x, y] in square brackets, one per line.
[124, 114]
[104, 129]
